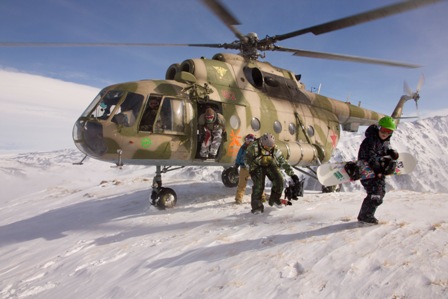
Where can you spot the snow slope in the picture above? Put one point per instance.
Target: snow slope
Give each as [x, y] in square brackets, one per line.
[88, 231]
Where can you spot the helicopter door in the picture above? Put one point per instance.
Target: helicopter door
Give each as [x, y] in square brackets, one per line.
[201, 108]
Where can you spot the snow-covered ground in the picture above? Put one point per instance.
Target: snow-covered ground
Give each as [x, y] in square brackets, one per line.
[88, 231]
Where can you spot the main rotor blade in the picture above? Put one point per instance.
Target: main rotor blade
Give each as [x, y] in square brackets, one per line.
[332, 56]
[43, 44]
[358, 18]
[224, 15]
[68, 45]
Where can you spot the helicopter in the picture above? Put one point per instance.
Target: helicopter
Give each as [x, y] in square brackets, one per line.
[254, 97]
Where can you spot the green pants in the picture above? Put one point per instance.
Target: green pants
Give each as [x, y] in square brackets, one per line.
[258, 175]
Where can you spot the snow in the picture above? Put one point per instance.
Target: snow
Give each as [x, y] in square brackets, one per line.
[70, 231]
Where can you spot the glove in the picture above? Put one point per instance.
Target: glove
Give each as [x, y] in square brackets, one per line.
[393, 154]
[352, 170]
[384, 161]
[295, 178]
[236, 166]
[388, 165]
[378, 165]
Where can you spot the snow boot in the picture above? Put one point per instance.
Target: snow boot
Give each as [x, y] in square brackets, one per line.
[274, 199]
[368, 209]
[258, 210]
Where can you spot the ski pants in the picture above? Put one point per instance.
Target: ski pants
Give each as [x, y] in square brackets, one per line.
[210, 144]
[244, 177]
[258, 175]
[376, 190]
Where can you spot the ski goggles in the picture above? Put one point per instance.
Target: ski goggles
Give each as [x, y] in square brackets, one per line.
[209, 118]
[386, 131]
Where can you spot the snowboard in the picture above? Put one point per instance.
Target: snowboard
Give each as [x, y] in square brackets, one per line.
[330, 174]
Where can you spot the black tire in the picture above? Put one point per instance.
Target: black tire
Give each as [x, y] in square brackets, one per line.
[167, 198]
[331, 189]
[230, 177]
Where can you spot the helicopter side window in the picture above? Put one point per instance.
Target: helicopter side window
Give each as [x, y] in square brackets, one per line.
[128, 110]
[171, 116]
[149, 116]
[178, 115]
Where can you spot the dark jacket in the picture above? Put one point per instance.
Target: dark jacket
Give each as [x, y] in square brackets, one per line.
[373, 148]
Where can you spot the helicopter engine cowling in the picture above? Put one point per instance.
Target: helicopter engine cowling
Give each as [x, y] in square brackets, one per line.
[172, 71]
[301, 154]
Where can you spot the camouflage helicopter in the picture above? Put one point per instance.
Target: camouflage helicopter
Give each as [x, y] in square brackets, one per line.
[253, 96]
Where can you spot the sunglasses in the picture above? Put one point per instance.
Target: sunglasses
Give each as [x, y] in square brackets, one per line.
[386, 131]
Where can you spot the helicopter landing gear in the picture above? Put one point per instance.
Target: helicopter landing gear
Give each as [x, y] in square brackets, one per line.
[230, 177]
[162, 197]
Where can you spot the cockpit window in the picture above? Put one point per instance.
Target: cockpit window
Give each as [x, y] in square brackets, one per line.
[163, 115]
[108, 103]
[103, 104]
[127, 112]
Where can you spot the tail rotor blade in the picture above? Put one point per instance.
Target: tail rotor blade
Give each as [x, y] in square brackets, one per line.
[421, 80]
[406, 89]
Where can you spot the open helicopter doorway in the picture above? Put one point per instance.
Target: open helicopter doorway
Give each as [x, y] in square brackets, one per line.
[203, 135]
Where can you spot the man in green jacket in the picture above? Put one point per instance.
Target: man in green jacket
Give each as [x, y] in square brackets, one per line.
[264, 159]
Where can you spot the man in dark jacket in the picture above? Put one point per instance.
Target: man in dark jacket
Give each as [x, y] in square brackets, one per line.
[377, 152]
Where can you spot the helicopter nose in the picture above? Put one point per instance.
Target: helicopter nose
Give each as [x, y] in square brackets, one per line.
[88, 138]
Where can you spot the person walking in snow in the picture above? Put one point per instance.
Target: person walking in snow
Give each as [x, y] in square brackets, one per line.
[244, 172]
[376, 150]
[264, 159]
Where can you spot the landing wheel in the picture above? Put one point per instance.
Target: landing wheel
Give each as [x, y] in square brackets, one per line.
[230, 177]
[331, 189]
[166, 198]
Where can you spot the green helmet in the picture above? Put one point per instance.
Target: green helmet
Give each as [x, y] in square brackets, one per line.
[388, 123]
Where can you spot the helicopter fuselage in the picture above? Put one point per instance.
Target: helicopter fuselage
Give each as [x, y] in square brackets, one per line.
[254, 97]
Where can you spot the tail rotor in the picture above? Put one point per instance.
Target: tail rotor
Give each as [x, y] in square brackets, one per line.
[414, 95]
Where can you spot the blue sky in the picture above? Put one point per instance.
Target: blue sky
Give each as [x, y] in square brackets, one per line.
[417, 37]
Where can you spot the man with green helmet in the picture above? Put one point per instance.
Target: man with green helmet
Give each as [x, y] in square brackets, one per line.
[377, 152]
[264, 159]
